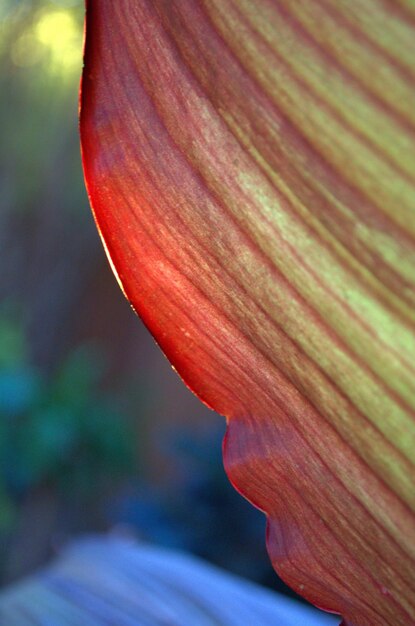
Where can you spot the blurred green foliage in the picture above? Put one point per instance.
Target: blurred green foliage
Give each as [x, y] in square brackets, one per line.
[61, 430]
[62, 433]
[40, 61]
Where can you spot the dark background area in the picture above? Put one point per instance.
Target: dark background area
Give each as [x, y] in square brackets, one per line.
[96, 431]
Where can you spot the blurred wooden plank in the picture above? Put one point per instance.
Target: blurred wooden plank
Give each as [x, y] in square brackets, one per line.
[109, 581]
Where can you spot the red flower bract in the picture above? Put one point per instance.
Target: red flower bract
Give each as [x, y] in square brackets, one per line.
[251, 167]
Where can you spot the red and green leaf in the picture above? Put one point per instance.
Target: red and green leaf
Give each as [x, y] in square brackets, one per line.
[251, 170]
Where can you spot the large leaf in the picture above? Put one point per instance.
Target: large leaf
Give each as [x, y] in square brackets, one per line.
[250, 165]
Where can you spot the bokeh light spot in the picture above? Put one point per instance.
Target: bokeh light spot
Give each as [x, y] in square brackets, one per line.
[60, 35]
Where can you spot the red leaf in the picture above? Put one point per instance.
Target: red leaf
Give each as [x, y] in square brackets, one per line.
[251, 170]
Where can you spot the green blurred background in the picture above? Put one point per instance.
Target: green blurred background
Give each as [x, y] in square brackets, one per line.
[96, 431]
